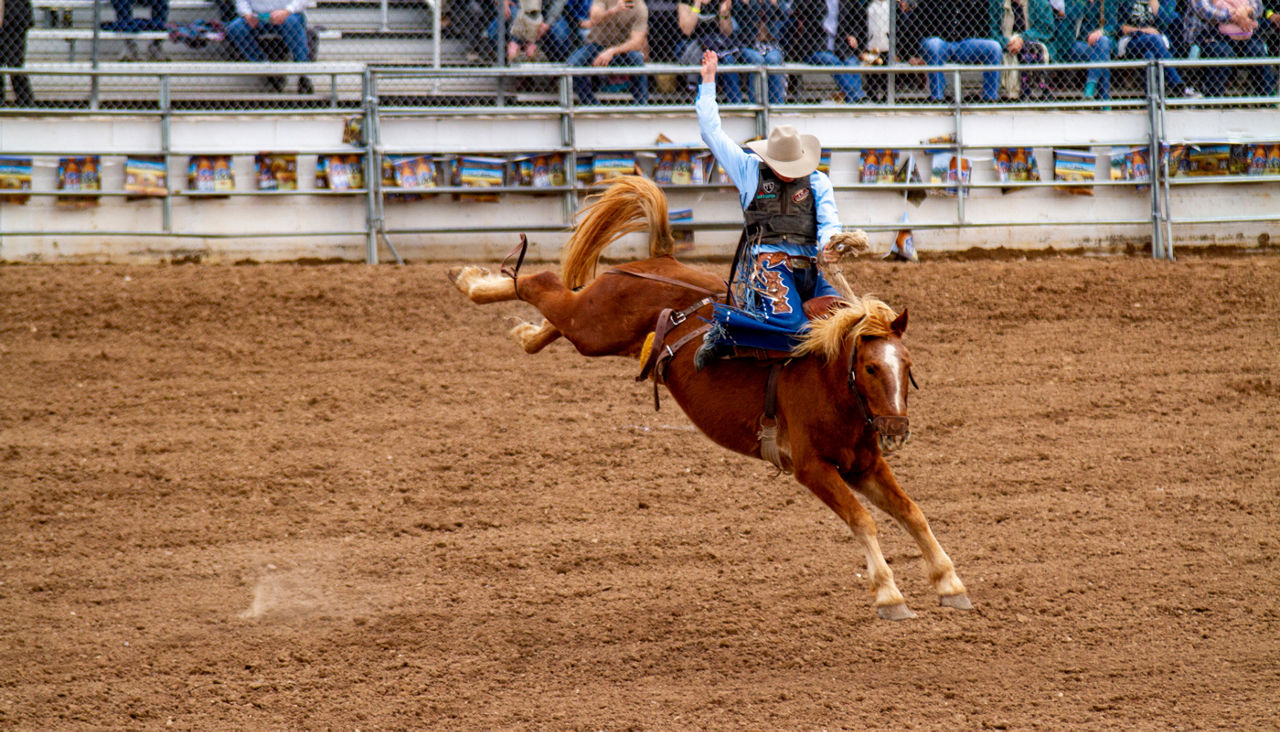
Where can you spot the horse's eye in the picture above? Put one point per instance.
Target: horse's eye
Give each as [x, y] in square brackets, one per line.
[871, 371]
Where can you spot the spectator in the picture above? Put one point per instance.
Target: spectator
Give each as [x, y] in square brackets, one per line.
[564, 33]
[473, 20]
[1085, 32]
[1141, 28]
[875, 51]
[126, 23]
[617, 36]
[829, 33]
[526, 28]
[910, 22]
[757, 26]
[1027, 28]
[281, 16]
[705, 29]
[961, 32]
[1228, 29]
[15, 21]
[1270, 25]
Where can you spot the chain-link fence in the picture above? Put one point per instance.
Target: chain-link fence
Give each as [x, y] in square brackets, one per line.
[292, 48]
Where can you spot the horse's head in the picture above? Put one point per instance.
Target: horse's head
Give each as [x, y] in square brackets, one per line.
[878, 375]
[864, 340]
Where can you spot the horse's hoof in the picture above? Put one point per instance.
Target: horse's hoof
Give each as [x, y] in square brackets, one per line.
[895, 612]
[455, 273]
[959, 602]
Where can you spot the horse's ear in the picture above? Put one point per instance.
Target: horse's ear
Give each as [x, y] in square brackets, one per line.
[899, 324]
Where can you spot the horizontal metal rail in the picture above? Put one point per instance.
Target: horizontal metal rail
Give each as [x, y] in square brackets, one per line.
[560, 104]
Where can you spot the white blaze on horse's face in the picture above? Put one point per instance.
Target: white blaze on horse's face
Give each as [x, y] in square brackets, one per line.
[883, 371]
[895, 365]
[882, 366]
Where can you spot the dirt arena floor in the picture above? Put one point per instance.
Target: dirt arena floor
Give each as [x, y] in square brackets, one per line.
[338, 497]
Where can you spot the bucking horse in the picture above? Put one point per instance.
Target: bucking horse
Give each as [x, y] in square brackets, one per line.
[827, 411]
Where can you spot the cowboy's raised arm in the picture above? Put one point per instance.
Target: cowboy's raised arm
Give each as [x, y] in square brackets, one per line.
[742, 168]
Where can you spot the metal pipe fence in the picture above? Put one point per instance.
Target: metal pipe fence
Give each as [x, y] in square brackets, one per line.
[382, 98]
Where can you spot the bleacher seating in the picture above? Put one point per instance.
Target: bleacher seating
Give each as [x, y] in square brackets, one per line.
[351, 33]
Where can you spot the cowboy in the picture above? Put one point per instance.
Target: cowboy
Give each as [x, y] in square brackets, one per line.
[789, 213]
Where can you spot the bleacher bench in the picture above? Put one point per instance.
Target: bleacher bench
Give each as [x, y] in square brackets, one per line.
[72, 36]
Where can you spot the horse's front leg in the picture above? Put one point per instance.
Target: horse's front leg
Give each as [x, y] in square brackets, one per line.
[882, 489]
[824, 480]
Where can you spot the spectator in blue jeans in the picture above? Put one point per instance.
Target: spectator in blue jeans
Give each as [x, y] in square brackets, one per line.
[279, 16]
[757, 25]
[827, 33]
[619, 31]
[706, 26]
[1142, 36]
[564, 28]
[1086, 29]
[961, 32]
[1231, 31]
[126, 23]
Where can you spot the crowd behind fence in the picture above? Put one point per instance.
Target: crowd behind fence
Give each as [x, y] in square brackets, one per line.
[383, 175]
[297, 48]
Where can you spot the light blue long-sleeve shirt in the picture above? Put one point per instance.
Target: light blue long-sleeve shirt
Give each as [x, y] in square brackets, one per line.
[743, 168]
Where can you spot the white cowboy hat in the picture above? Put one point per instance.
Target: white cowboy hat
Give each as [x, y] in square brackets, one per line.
[789, 153]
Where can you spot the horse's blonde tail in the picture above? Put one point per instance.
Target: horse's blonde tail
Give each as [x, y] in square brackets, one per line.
[630, 203]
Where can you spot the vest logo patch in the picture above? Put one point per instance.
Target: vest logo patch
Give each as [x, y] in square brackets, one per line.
[769, 187]
[800, 195]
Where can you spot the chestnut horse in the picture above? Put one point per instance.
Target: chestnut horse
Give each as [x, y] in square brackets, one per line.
[838, 402]
[610, 315]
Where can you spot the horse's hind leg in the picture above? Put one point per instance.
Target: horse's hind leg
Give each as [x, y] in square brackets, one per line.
[882, 489]
[482, 287]
[827, 485]
[533, 338]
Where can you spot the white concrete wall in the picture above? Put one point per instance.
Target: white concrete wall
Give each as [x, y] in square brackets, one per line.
[116, 226]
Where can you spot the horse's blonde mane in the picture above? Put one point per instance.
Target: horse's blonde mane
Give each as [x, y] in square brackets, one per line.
[864, 317]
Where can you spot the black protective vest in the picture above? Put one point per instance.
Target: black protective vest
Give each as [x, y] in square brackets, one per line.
[781, 211]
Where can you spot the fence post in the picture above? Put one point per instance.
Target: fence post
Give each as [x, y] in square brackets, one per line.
[892, 61]
[962, 189]
[1166, 208]
[1155, 89]
[569, 139]
[166, 147]
[373, 169]
[762, 116]
[93, 53]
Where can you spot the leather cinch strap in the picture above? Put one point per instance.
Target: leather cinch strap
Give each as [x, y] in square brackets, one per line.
[660, 352]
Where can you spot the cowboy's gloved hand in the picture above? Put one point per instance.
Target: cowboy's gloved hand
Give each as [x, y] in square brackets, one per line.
[846, 243]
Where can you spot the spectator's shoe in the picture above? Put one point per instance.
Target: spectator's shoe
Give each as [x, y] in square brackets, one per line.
[130, 52]
[304, 86]
[155, 52]
[274, 84]
[904, 252]
[1190, 92]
